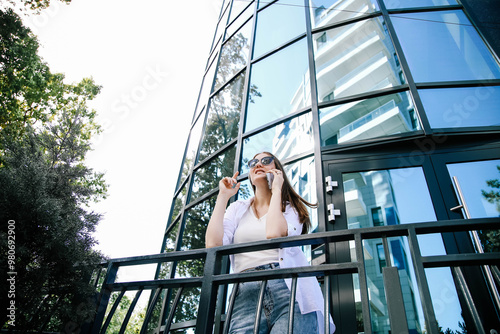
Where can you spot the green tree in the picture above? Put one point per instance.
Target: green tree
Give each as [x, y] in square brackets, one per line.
[35, 5]
[491, 238]
[45, 187]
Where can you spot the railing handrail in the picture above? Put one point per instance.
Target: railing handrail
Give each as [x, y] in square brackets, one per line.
[317, 238]
[214, 276]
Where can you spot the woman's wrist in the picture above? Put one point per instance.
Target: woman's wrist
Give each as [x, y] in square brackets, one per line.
[276, 191]
[223, 197]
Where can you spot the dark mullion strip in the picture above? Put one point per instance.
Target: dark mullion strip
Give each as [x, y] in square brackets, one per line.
[346, 22]
[277, 121]
[458, 84]
[424, 121]
[279, 48]
[423, 9]
[318, 167]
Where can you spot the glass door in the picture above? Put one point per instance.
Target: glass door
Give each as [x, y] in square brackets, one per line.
[383, 191]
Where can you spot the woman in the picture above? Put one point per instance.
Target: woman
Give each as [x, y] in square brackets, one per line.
[275, 211]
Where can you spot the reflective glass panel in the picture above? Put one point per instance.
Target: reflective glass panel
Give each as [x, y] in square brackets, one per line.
[278, 24]
[480, 184]
[284, 140]
[302, 177]
[171, 238]
[387, 197]
[245, 191]
[197, 219]
[240, 20]
[479, 181]
[223, 118]
[238, 6]
[391, 4]
[234, 55]
[206, 88]
[375, 261]
[446, 48]
[179, 202]
[326, 12]
[462, 107]
[393, 191]
[445, 299]
[187, 309]
[364, 119]
[170, 246]
[193, 143]
[279, 85]
[221, 26]
[353, 59]
[208, 176]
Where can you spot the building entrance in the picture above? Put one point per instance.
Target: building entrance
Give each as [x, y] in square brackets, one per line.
[374, 190]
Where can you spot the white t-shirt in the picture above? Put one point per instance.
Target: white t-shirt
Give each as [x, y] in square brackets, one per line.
[252, 229]
[309, 294]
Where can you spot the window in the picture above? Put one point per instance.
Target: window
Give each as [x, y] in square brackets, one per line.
[377, 218]
[447, 47]
[381, 257]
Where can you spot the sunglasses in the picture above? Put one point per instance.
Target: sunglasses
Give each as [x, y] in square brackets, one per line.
[265, 161]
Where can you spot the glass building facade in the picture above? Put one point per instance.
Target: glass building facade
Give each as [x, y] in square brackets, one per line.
[380, 110]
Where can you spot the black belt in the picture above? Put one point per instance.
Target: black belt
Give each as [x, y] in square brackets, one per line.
[264, 267]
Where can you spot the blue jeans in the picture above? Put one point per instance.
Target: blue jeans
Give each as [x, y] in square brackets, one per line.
[274, 314]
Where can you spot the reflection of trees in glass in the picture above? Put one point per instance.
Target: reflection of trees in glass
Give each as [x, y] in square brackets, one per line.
[187, 308]
[491, 239]
[196, 224]
[135, 322]
[179, 202]
[233, 58]
[223, 119]
[461, 325]
[225, 107]
[207, 178]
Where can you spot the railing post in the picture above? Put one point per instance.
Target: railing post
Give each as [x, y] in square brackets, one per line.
[208, 297]
[395, 302]
[431, 323]
[363, 284]
[104, 297]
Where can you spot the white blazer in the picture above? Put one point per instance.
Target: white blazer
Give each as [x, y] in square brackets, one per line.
[309, 294]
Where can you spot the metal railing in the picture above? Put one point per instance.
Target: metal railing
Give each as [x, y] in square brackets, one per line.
[213, 283]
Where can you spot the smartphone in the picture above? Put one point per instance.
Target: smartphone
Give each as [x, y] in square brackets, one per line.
[270, 178]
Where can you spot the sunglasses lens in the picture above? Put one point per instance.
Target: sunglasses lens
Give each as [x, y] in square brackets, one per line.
[252, 163]
[267, 160]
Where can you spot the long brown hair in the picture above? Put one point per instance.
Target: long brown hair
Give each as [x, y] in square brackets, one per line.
[289, 195]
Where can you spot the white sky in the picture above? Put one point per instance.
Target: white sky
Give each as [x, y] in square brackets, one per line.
[149, 56]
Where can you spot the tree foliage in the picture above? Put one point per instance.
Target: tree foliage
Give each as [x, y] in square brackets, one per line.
[35, 5]
[491, 238]
[45, 186]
